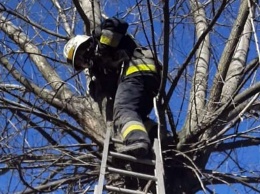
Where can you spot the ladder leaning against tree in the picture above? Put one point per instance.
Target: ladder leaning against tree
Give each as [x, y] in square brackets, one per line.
[158, 176]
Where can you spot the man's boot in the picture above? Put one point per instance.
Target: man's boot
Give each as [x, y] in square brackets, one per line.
[137, 144]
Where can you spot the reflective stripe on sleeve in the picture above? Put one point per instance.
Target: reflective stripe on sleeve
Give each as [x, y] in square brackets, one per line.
[140, 67]
[106, 40]
[132, 128]
[110, 38]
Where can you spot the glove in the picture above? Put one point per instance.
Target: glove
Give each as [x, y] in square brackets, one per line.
[112, 31]
[115, 25]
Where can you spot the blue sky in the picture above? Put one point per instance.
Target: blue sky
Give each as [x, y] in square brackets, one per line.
[181, 45]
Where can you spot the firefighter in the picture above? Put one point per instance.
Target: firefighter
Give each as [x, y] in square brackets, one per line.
[128, 74]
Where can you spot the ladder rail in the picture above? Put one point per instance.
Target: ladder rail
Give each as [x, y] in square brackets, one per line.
[159, 170]
[158, 177]
[101, 180]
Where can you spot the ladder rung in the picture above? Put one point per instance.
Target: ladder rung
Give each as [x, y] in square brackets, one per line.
[131, 158]
[117, 140]
[133, 174]
[122, 190]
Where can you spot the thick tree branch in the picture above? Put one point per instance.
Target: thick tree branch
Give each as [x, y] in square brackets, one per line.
[44, 67]
[199, 84]
[235, 70]
[208, 122]
[80, 109]
[233, 80]
[63, 17]
[193, 51]
[45, 94]
[7, 104]
[226, 58]
[245, 95]
[30, 21]
[90, 13]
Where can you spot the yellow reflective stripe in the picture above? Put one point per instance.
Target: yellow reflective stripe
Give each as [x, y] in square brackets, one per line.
[71, 52]
[133, 128]
[110, 41]
[140, 67]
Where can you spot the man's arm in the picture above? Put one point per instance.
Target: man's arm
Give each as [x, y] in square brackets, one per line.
[110, 34]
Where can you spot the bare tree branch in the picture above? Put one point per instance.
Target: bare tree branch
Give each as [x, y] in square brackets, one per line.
[25, 43]
[225, 60]
[63, 17]
[237, 65]
[237, 144]
[29, 21]
[199, 84]
[52, 131]
[232, 178]
[196, 46]
[90, 12]
[42, 93]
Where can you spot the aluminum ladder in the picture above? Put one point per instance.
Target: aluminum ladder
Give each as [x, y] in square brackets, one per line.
[158, 177]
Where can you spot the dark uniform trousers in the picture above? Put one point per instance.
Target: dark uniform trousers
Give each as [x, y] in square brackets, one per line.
[133, 103]
[134, 96]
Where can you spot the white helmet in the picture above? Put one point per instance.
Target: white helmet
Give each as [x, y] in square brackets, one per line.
[70, 49]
